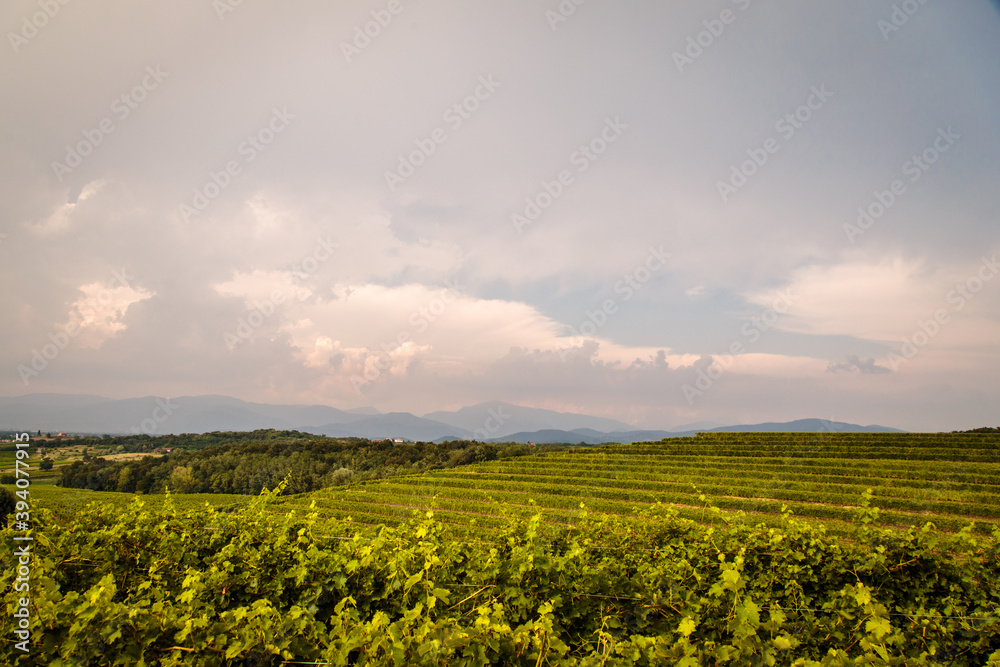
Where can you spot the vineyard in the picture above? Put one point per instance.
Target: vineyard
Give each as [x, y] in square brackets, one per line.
[64, 504]
[950, 480]
[620, 555]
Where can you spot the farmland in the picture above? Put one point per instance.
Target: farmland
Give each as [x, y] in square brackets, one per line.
[762, 549]
[950, 480]
[65, 503]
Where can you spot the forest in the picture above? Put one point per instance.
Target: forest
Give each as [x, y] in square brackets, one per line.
[246, 463]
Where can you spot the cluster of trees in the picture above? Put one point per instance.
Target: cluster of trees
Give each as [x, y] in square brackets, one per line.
[246, 463]
[147, 443]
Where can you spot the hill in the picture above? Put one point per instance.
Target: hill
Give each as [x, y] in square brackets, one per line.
[494, 421]
[598, 555]
[591, 437]
[949, 479]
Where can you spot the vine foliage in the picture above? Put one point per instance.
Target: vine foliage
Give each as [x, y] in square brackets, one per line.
[256, 587]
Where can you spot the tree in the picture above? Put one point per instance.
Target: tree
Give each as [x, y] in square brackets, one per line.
[341, 476]
[7, 504]
[124, 478]
[181, 480]
[46, 464]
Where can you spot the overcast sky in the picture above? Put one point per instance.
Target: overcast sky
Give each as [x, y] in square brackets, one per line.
[662, 212]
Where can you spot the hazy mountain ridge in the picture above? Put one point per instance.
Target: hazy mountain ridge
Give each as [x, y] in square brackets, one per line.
[496, 421]
[589, 437]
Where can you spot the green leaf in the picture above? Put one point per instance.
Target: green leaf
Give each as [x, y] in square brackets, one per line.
[687, 626]
[413, 579]
[235, 648]
[879, 627]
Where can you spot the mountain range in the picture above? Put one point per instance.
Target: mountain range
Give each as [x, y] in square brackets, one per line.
[495, 421]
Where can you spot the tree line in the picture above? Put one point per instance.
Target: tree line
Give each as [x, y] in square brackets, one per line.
[246, 463]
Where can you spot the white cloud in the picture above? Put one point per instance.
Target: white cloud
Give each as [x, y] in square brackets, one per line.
[62, 218]
[869, 299]
[311, 215]
[448, 331]
[698, 290]
[99, 314]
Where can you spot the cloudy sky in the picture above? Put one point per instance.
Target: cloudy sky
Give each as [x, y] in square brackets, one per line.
[735, 211]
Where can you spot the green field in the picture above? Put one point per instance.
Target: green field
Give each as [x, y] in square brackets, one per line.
[950, 480]
[8, 456]
[65, 503]
[629, 581]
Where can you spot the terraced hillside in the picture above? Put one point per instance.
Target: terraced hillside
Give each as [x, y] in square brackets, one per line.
[948, 479]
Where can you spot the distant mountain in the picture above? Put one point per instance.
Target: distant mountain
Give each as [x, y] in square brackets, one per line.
[586, 436]
[552, 435]
[809, 426]
[498, 420]
[55, 400]
[697, 426]
[363, 411]
[158, 416]
[589, 437]
[394, 425]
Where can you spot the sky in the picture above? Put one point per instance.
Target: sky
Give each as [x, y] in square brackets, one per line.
[734, 211]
